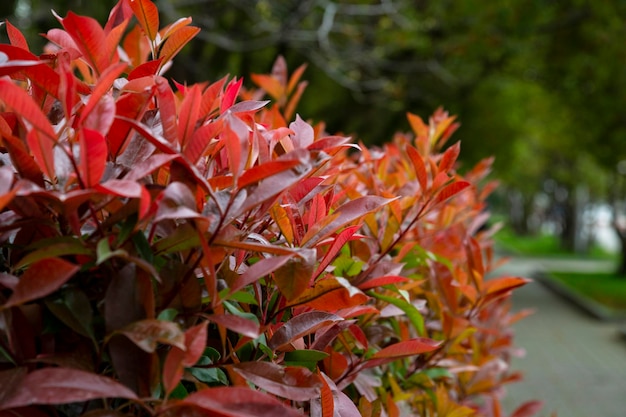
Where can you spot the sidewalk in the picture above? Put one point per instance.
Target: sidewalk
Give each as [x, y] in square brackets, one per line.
[574, 363]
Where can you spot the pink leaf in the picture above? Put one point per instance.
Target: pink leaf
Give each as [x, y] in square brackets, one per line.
[301, 325]
[259, 270]
[42, 278]
[237, 402]
[237, 324]
[303, 133]
[293, 383]
[148, 333]
[62, 386]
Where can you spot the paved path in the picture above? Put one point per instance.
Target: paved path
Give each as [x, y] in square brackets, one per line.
[574, 363]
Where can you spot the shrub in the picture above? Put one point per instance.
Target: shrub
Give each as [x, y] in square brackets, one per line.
[170, 250]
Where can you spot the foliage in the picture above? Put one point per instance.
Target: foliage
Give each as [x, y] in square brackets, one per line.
[170, 250]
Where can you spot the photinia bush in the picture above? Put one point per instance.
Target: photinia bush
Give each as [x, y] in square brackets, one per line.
[187, 250]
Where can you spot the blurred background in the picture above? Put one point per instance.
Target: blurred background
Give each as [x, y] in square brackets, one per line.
[540, 84]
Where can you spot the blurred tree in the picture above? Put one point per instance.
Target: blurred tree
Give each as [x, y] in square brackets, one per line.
[535, 82]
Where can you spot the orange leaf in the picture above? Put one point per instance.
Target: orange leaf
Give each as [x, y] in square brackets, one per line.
[176, 41]
[419, 167]
[451, 190]
[147, 14]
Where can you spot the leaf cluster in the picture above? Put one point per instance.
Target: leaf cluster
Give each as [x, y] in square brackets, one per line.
[171, 249]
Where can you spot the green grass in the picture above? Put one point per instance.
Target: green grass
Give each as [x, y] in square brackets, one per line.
[606, 288]
[543, 245]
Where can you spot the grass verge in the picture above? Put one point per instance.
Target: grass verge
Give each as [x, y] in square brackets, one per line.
[607, 289]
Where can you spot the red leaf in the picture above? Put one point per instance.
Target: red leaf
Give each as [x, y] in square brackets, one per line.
[419, 167]
[258, 271]
[301, 325]
[451, 190]
[90, 39]
[42, 278]
[148, 333]
[401, 350]
[333, 402]
[230, 95]
[237, 324]
[93, 157]
[338, 242]
[15, 36]
[146, 69]
[347, 213]
[148, 16]
[235, 139]
[8, 66]
[64, 385]
[109, 75]
[407, 348]
[237, 402]
[201, 139]
[176, 42]
[188, 115]
[42, 148]
[504, 284]
[25, 107]
[131, 106]
[528, 409]
[449, 157]
[380, 281]
[177, 359]
[293, 383]
[260, 172]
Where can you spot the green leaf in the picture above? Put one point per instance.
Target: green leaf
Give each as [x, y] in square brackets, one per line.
[143, 246]
[104, 253]
[412, 313]
[209, 376]
[54, 248]
[306, 358]
[239, 296]
[73, 309]
[169, 314]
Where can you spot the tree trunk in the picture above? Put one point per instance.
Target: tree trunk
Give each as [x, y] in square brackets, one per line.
[621, 234]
